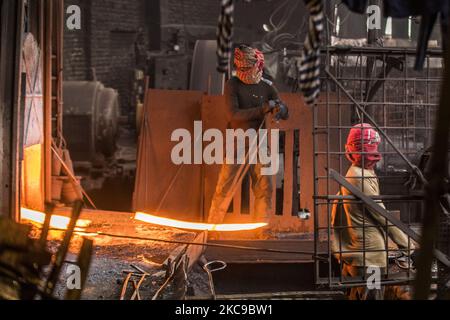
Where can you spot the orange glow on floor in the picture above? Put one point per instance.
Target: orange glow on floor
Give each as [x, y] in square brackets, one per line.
[148, 218]
[56, 222]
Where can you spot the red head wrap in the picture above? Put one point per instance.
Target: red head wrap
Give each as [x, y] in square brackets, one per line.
[362, 146]
[249, 64]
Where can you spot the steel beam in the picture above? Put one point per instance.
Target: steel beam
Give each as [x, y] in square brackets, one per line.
[11, 30]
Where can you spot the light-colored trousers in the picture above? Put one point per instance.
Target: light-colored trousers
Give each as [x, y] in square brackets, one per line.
[261, 186]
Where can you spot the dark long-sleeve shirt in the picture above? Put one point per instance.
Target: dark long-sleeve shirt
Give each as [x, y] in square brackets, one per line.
[244, 102]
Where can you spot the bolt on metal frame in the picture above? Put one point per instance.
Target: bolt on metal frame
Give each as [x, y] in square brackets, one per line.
[377, 86]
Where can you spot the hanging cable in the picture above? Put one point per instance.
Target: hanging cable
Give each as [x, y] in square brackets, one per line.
[212, 245]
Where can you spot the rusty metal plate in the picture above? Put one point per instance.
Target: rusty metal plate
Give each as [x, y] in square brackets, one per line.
[166, 111]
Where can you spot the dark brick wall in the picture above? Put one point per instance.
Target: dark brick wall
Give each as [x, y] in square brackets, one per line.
[75, 58]
[190, 20]
[115, 28]
[106, 43]
[197, 12]
[110, 27]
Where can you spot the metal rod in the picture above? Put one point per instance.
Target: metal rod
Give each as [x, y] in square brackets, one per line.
[72, 177]
[437, 175]
[203, 244]
[64, 248]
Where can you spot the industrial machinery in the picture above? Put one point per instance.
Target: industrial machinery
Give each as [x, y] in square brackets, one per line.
[92, 106]
[204, 74]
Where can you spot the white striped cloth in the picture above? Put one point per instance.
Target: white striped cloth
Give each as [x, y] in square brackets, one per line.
[225, 35]
[309, 81]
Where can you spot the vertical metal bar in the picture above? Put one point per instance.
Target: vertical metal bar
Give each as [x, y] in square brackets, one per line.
[387, 247]
[339, 99]
[49, 208]
[328, 165]
[63, 249]
[83, 262]
[385, 122]
[341, 262]
[11, 91]
[60, 65]
[406, 99]
[48, 100]
[316, 193]
[434, 191]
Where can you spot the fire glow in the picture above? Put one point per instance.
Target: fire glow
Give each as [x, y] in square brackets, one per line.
[148, 218]
[56, 222]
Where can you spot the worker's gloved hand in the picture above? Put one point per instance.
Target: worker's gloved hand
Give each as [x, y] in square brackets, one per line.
[269, 107]
[278, 109]
[282, 111]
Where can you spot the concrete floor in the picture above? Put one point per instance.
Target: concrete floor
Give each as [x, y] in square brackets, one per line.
[113, 256]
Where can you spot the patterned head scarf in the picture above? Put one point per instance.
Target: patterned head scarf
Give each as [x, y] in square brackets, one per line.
[362, 146]
[249, 64]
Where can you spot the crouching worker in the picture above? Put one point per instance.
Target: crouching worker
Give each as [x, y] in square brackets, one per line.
[249, 99]
[360, 233]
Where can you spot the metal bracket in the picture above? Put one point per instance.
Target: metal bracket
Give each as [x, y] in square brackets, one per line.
[207, 267]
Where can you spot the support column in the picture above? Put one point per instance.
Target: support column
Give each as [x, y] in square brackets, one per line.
[11, 31]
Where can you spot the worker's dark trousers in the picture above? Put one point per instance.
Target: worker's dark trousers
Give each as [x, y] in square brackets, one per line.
[262, 189]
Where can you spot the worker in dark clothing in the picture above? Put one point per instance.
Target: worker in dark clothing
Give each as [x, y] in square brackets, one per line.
[248, 96]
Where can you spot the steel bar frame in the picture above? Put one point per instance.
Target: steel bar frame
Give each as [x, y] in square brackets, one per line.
[403, 110]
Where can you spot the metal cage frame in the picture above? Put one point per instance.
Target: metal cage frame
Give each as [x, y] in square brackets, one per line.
[379, 86]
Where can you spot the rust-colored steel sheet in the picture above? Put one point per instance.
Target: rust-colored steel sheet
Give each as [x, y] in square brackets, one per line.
[192, 191]
[165, 112]
[301, 120]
